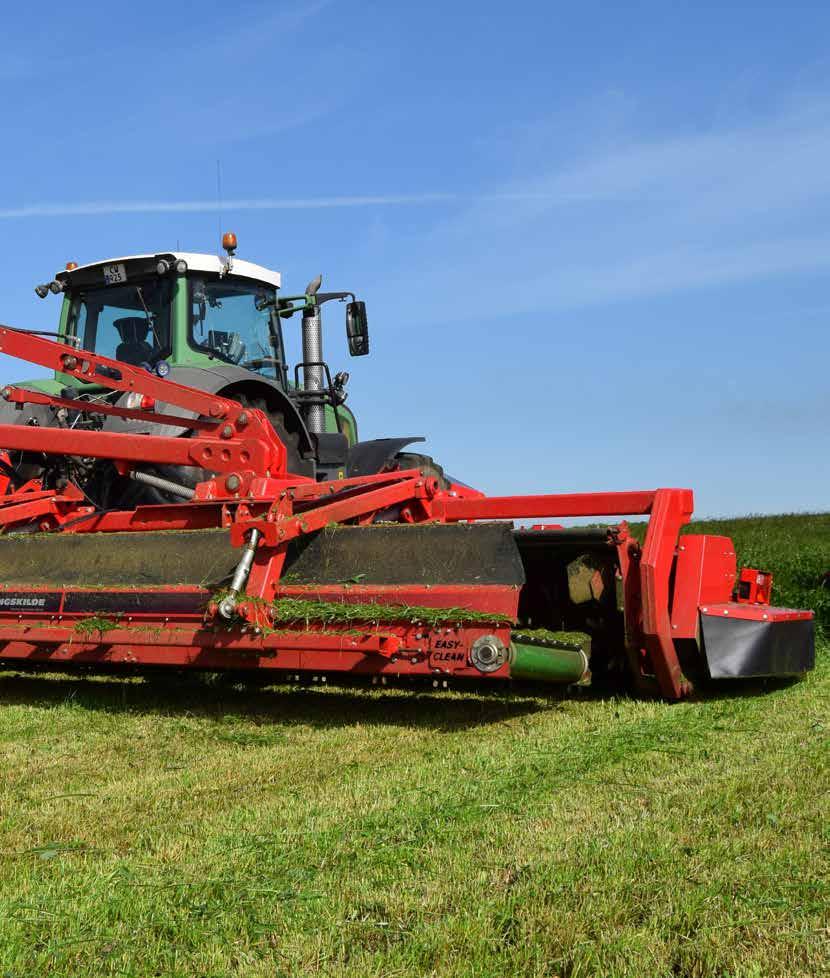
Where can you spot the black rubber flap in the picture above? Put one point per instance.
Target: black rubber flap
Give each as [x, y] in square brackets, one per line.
[737, 648]
[196, 557]
[464, 554]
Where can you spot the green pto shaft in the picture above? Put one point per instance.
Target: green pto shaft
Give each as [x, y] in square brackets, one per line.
[546, 664]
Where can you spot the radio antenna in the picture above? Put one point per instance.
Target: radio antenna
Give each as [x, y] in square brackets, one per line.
[219, 195]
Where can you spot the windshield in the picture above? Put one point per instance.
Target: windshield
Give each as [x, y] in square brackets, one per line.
[232, 321]
[130, 323]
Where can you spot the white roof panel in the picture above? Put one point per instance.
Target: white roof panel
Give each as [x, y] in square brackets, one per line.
[206, 263]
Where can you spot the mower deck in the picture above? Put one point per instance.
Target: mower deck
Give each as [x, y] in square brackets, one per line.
[270, 571]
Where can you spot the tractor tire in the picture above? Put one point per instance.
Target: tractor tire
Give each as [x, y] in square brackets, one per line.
[291, 439]
[133, 494]
[428, 466]
[411, 460]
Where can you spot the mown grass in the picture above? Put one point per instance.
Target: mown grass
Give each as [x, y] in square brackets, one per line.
[182, 828]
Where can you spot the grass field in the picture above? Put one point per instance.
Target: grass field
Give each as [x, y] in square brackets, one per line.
[194, 830]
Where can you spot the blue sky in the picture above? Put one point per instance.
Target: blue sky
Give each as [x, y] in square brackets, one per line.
[593, 238]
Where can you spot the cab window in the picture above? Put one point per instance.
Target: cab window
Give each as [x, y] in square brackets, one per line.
[130, 323]
[231, 321]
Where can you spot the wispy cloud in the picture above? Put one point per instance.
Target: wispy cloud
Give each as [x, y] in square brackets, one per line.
[678, 269]
[651, 217]
[646, 218]
[113, 207]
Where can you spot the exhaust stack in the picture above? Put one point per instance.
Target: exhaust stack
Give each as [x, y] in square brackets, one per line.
[313, 370]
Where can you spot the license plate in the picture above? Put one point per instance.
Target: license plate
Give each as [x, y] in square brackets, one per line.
[115, 274]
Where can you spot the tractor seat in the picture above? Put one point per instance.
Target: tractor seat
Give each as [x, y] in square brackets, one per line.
[133, 347]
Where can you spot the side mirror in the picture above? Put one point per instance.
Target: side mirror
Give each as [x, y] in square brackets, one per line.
[357, 329]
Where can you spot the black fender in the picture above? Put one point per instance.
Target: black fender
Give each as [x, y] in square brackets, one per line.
[369, 457]
[224, 380]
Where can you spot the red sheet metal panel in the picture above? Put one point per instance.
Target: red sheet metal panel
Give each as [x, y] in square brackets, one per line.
[705, 572]
[394, 650]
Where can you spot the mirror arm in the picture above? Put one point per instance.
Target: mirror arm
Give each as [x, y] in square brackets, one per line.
[322, 297]
[285, 304]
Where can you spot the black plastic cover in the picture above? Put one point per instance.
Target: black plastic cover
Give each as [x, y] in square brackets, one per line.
[458, 554]
[332, 448]
[396, 553]
[204, 558]
[369, 457]
[738, 648]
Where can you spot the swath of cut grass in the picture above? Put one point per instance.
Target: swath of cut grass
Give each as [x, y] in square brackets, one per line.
[95, 625]
[300, 610]
[307, 611]
[171, 827]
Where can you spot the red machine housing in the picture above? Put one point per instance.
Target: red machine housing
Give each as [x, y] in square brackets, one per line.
[672, 587]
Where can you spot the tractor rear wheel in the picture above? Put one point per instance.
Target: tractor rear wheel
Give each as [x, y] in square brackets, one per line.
[291, 439]
[133, 494]
[425, 463]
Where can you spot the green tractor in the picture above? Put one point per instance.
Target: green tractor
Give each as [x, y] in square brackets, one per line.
[215, 324]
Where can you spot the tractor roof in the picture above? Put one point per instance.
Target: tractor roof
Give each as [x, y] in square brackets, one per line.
[195, 262]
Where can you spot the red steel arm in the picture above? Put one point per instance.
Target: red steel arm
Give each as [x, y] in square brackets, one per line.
[115, 375]
[244, 441]
[671, 510]
[20, 395]
[522, 507]
[280, 528]
[216, 455]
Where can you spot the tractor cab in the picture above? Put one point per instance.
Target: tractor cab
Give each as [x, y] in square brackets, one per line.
[175, 309]
[212, 324]
[215, 323]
